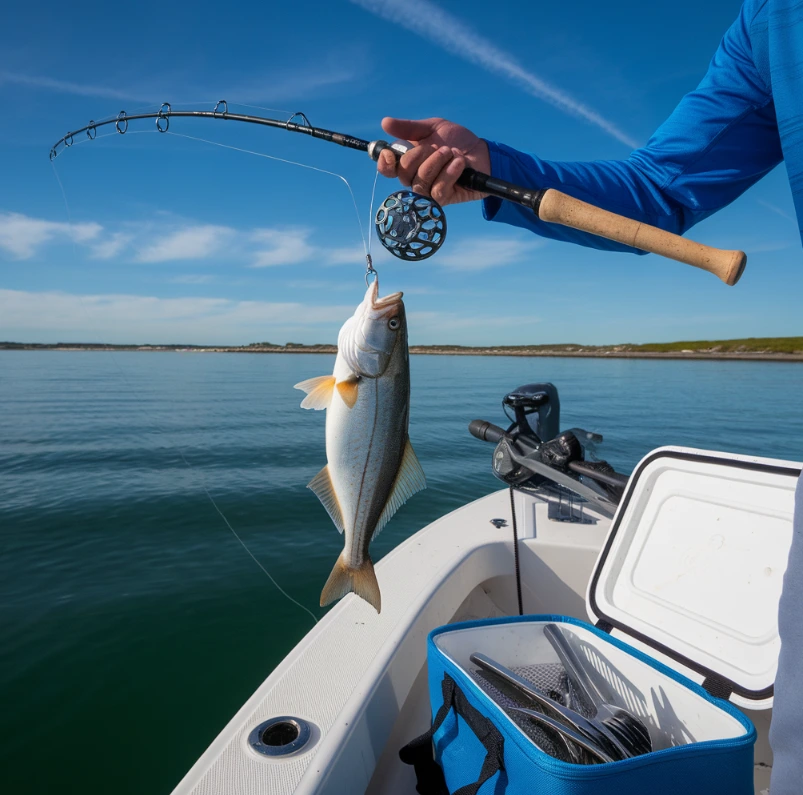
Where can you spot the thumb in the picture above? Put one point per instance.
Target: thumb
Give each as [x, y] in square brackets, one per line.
[409, 129]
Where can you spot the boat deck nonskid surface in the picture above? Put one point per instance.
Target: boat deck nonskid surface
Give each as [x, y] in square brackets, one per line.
[359, 678]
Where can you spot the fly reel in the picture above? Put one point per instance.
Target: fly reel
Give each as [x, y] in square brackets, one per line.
[410, 226]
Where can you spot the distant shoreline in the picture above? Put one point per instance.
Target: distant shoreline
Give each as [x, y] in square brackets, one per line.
[543, 351]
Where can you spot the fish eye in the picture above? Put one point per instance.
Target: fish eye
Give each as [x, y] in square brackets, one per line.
[393, 323]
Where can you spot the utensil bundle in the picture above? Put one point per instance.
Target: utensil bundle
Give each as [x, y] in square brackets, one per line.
[602, 732]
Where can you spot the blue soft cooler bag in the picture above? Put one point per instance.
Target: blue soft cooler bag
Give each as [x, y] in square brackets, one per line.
[690, 573]
[476, 741]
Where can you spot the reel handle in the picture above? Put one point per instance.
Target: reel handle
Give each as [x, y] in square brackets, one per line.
[558, 208]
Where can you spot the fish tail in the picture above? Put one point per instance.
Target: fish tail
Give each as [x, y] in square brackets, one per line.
[360, 580]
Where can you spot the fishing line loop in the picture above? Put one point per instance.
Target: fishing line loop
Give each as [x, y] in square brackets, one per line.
[91, 130]
[122, 123]
[163, 118]
[225, 108]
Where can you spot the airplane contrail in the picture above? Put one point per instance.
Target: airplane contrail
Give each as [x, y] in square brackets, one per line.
[440, 27]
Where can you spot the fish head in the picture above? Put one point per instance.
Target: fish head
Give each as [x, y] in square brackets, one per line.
[370, 336]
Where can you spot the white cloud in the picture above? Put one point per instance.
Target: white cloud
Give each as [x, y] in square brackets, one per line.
[56, 316]
[135, 319]
[345, 255]
[440, 27]
[193, 278]
[278, 86]
[284, 247]
[22, 236]
[355, 255]
[169, 240]
[480, 253]
[292, 84]
[190, 242]
[112, 246]
[470, 328]
[67, 87]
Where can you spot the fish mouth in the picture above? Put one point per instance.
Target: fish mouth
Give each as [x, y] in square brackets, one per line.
[386, 301]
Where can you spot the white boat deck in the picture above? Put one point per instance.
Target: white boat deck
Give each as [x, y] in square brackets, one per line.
[359, 678]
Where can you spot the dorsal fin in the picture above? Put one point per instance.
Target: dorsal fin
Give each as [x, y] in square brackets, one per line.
[348, 390]
[409, 479]
[321, 484]
[319, 391]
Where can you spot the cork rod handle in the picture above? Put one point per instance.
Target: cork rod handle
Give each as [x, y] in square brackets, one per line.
[558, 208]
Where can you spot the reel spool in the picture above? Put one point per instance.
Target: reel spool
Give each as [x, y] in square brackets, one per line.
[410, 226]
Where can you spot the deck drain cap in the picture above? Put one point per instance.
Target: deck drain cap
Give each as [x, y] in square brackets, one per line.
[280, 736]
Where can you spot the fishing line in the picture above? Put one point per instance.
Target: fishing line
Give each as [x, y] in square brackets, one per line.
[371, 214]
[174, 446]
[290, 162]
[259, 107]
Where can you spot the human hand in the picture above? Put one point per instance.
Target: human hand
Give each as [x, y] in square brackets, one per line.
[442, 151]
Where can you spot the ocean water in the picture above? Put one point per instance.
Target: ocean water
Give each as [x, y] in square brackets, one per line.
[133, 623]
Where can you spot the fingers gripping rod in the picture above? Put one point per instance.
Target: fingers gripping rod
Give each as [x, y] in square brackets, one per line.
[555, 207]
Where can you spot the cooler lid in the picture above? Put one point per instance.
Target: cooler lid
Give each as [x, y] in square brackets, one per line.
[693, 566]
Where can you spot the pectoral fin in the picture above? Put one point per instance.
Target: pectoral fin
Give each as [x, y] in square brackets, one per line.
[409, 479]
[319, 391]
[348, 390]
[321, 484]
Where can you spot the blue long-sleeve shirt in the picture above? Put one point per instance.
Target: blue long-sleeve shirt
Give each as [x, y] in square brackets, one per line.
[741, 121]
[736, 126]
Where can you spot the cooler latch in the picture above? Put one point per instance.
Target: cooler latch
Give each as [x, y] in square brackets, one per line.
[604, 625]
[718, 686]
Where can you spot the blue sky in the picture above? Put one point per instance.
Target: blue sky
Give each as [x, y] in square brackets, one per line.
[161, 238]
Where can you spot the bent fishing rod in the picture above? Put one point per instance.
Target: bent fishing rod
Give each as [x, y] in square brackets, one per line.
[413, 227]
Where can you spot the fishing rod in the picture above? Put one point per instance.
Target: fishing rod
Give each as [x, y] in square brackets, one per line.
[413, 227]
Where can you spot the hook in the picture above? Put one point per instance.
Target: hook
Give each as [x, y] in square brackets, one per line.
[121, 119]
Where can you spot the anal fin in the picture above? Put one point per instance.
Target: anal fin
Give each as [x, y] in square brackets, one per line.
[409, 479]
[322, 486]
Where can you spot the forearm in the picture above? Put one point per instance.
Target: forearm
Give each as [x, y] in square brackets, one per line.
[721, 139]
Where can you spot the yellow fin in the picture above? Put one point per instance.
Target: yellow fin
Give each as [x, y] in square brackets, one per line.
[409, 479]
[348, 390]
[319, 391]
[361, 581]
[321, 484]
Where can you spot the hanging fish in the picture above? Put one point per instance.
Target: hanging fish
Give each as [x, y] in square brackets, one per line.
[372, 469]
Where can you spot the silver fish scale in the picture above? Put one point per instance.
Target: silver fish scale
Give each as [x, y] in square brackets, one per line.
[550, 679]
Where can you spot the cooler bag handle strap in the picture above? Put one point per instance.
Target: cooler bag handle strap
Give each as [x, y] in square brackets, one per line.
[418, 752]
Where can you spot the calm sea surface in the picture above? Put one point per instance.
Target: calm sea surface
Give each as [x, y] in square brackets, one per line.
[133, 624]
